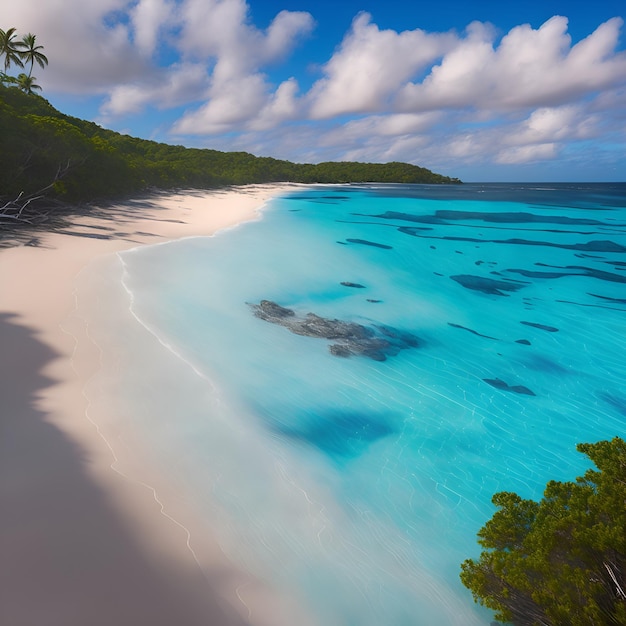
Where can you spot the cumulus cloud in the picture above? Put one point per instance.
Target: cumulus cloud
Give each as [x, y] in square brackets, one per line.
[149, 19]
[528, 68]
[370, 65]
[176, 86]
[526, 154]
[239, 95]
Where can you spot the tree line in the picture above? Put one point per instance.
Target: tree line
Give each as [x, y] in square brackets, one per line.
[77, 160]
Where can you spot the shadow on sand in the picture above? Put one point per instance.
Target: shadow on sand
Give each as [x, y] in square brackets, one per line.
[67, 557]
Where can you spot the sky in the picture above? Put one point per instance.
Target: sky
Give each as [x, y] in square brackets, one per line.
[484, 91]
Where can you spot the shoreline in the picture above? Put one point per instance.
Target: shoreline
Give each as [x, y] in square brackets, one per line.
[101, 547]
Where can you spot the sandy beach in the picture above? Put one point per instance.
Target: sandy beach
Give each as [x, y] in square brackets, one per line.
[85, 540]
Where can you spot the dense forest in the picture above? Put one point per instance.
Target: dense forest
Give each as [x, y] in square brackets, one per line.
[76, 160]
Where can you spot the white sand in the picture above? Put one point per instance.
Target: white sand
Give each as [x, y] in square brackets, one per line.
[85, 539]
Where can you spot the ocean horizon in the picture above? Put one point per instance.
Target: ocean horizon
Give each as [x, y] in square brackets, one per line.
[340, 386]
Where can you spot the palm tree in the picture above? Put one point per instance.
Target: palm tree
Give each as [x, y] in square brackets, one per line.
[5, 79]
[31, 52]
[10, 48]
[27, 83]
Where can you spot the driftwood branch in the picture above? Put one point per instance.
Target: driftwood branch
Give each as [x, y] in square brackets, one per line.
[35, 207]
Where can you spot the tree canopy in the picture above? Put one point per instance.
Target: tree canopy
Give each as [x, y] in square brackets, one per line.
[39, 146]
[560, 561]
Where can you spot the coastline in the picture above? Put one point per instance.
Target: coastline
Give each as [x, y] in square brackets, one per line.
[85, 538]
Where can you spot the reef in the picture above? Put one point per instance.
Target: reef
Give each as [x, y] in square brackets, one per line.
[377, 341]
[503, 386]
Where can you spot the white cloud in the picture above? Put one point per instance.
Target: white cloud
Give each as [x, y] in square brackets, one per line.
[371, 65]
[529, 68]
[234, 103]
[176, 86]
[282, 106]
[527, 154]
[554, 124]
[149, 18]
[239, 95]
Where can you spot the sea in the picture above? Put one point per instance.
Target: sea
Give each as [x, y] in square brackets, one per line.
[341, 385]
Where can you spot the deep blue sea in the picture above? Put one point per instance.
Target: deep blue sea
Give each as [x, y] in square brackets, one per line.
[356, 483]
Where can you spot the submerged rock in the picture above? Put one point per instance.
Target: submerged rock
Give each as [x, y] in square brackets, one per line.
[487, 285]
[376, 342]
[270, 311]
[503, 386]
[549, 329]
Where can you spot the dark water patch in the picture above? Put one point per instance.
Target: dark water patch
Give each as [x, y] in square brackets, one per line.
[617, 300]
[340, 435]
[377, 341]
[378, 224]
[544, 364]
[571, 270]
[310, 197]
[524, 342]
[503, 386]
[488, 286]
[549, 329]
[598, 197]
[347, 283]
[616, 401]
[342, 243]
[474, 332]
[365, 242]
[537, 274]
[591, 306]
[516, 217]
[415, 232]
[593, 246]
[582, 255]
[438, 274]
[442, 217]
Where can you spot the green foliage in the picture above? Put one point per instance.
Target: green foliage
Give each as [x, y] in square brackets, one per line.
[37, 142]
[32, 53]
[561, 561]
[10, 49]
[26, 83]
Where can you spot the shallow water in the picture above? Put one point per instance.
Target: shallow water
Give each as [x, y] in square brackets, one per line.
[356, 485]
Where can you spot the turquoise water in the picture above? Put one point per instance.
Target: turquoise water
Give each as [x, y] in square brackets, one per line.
[356, 485]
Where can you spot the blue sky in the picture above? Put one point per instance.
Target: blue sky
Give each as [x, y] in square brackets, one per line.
[486, 91]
